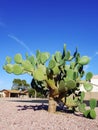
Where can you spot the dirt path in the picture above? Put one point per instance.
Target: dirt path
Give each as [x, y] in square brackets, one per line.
[23, 114]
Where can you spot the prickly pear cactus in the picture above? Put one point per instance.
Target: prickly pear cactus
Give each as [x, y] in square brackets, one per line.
[91, 113]
[60, 74]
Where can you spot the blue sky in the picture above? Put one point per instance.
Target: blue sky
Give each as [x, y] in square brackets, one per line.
[28, 25]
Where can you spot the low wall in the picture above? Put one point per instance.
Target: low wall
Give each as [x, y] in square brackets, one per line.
[89, 95]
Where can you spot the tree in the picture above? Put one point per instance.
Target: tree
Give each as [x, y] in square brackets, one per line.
[32, 93]
[19, 84]
[61, 78]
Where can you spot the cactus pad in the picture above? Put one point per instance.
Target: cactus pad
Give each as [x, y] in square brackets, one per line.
[8, 60]
[88, 87]
[51, 64]
[58, 56]
[82, 96]
[82, 107]
[27, 65]
[17, 69]
[92, 114]
[70, 84]
[44, 57]
[89, 75]
[32, 60]
[56, 70]
[8, 68]
[93, 103]
[39, 74]
[18, 58]
[84, 60]
[62, 87]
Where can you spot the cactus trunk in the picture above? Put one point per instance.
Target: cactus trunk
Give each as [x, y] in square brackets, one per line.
[52, 105]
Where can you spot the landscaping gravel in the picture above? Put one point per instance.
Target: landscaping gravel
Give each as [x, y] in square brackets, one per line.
[23, 114]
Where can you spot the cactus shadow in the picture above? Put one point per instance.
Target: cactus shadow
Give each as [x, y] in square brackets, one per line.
[42, 107]
[33, 107]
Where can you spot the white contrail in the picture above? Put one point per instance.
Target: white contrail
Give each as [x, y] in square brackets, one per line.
[20, 42]
[2, 24]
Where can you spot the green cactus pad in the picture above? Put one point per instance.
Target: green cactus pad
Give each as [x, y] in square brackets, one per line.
[62, 83]
[70, 73]
[75, 75]
[82, 96]
[67, 67]
[27, 65]
[51, 64]
[93, 103]
[44, 57]
[18, 58]
[62, 87]
[67, 55]
[38, 54]
[8, 60]
[32, 60]
[82, 107]
[42, 67]
[87, 113]
[8, 68]
[88, 86]
[70, 84]
[62, 62]
[58, 56]
[70, 102]
[84, 60]
[39, 74]
[56, 70]
[72, 65]
[17, 69]
[70, 58]
[26, 54]
[92, 114]
[89, 75]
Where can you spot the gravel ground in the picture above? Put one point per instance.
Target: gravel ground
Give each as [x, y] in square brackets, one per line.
[23, 114]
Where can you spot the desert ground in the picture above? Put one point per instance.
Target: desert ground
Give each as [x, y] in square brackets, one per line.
[32, 114]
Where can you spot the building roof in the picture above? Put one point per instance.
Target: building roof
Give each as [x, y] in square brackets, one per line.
[15, 91]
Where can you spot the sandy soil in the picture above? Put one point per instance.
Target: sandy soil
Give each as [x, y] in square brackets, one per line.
[27, 114]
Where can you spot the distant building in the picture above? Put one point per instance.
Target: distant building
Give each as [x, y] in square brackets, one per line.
[94, 81]
[13, 93]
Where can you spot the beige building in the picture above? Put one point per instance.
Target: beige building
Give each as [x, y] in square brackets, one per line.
[13, 93]
[94, 81]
